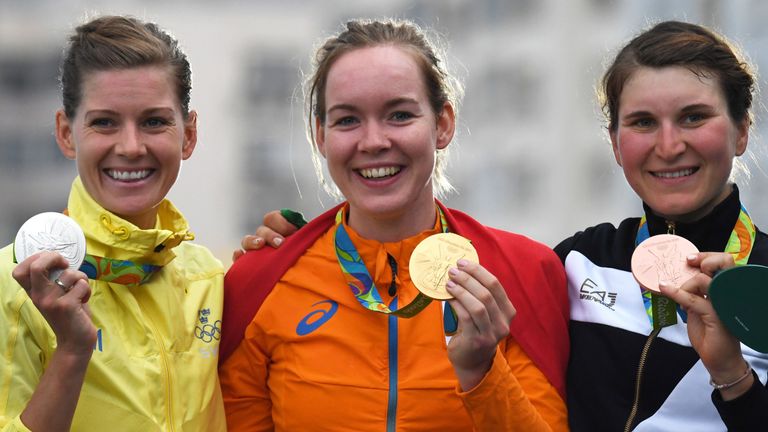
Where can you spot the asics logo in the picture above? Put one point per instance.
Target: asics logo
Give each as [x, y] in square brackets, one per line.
[313, 320]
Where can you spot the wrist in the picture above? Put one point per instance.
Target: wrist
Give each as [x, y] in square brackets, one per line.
[72, 359]
[730, 376]
[469, 378]
[733, 386]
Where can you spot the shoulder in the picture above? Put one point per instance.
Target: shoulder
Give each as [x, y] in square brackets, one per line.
[196, 261]
[17, 309]
[760, 249]
[602, 242]
[6, 261]
[512, 257]
[251, 279]
[476, 231]
[9, 288]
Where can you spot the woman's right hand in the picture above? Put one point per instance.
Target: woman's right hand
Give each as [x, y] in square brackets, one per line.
[64, 307]
[719, 350]
[276, 227]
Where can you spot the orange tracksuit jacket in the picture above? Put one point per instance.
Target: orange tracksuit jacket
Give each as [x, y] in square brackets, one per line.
[312, 358]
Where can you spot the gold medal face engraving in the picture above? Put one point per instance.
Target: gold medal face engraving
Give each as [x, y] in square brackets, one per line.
[662, 258]
[432, 259]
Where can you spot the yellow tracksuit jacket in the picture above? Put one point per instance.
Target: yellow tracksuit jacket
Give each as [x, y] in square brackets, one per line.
[154, 363]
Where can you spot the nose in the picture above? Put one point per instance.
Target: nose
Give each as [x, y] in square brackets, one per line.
[670, 142]
[130, 143]
[374, 138]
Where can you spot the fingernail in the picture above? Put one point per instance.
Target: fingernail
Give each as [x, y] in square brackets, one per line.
[294, 217]
[453, 271]
[691, 257]
[450, 285]
[462, 262]
[277, 241]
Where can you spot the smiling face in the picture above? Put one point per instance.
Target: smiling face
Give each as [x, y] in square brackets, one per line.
[676, 141]
[128, 137]
[380, 137]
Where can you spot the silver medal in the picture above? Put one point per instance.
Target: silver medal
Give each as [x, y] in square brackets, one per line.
[54, 232]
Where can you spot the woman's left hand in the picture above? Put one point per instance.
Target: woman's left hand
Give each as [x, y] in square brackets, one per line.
[484, 313]
[719, 350]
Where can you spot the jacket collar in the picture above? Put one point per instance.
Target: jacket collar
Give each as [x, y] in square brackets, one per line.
[710, 233]
[108, 235]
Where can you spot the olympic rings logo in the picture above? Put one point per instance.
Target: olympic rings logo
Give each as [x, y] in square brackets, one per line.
[208, 332]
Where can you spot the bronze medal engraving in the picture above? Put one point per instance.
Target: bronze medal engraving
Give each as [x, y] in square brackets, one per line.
[432, 259]
[662, 258]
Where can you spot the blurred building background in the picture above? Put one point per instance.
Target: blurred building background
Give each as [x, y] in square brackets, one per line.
[530, 156]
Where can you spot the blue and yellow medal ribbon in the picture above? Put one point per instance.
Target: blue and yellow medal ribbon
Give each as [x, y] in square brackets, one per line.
[117, 271]
[739, 245]
[361, 283]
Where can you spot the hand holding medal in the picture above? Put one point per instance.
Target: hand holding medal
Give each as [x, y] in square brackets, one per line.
[446, 267]
[52, 232]
[53, 281]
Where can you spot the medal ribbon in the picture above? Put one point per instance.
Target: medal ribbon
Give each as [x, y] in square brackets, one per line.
[117, 271]
[739, 245]
[361, 283]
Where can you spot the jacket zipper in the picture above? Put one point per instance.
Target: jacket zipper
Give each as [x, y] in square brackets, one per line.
[392, 351]
[392, 399]
[670, 227]
[166, 376]
[639, 378]
[643, 357]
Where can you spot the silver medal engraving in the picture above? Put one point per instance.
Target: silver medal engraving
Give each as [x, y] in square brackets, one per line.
[54, 232]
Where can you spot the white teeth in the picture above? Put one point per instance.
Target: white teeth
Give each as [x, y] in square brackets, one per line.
[128, 175]
[674, 174]
[379, 172]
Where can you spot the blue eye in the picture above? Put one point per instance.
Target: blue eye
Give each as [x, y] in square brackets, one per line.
[155, 122]
[693, 118]
[402, 116]
[345, 121]
[644, 123]
[102, 123]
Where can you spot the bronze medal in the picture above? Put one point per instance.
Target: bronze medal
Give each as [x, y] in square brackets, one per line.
[663, 258]
[432, 259]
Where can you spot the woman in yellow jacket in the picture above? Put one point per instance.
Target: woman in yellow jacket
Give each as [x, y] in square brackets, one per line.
[130, 341]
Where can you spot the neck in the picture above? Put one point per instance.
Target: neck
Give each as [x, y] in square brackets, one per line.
[387, 228]
[701, 212]
[144, 221]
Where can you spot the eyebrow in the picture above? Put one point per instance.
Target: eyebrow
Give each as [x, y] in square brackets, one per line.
[152, 110]
[698, 107]
[685, 109]
[635, 114]
[389, 104]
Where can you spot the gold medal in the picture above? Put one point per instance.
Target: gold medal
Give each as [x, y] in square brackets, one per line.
[432, 259]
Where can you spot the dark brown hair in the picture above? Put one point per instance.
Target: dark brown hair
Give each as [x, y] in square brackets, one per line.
[674, 43]
[120, 42]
